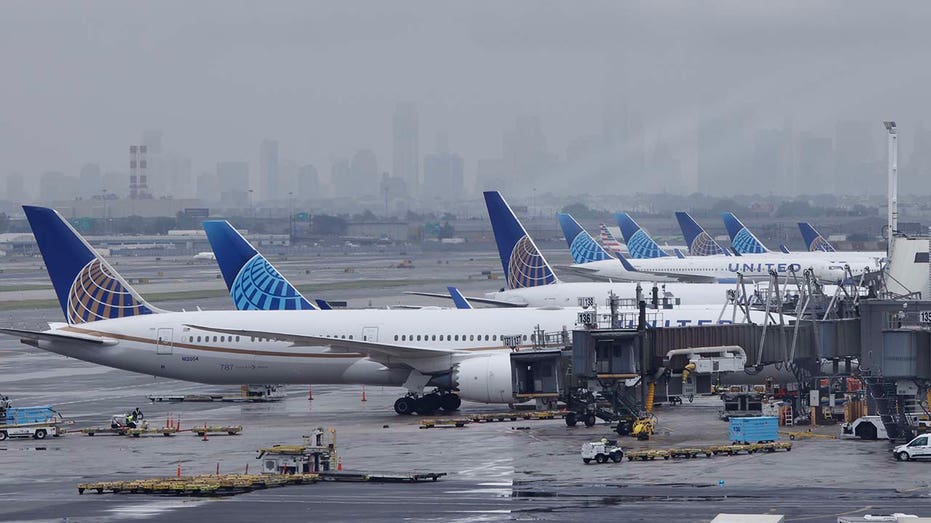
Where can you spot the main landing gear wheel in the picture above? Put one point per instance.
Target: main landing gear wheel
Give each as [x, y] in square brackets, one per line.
[428, 404]
[404, 406]
[589, 420]
[571, 419]
[450, 402]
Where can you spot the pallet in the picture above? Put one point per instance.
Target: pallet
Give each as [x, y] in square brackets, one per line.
[207, 485]
[217, 430]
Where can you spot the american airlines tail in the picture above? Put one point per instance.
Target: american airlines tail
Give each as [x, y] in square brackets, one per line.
[813, 239]
[608, 241]
[88, 288]
[582, 246]
[742, 240]
[699, 242]
[639, 244]
[523, 263]
[253, 282]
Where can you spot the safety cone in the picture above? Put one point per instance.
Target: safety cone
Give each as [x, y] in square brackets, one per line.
[339, 464]
[205, 432]
[179, 469]
[310, 393]
[178, 424]
[247, 469]
[363, 393]
[218, 468]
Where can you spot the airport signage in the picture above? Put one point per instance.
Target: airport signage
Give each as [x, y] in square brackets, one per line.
[924, 317]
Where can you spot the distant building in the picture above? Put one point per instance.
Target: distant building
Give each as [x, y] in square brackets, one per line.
[525, 155]
[114, 182]
[815, 166]
[857, 168]
[90, 181]
[233, 182]
[308, 183]
[177, 175]
[268, 170]
[442, 176]
[16, 188]
[340, 178]
[407, 146]
[361, 179]
[207, 188]
[55, 186]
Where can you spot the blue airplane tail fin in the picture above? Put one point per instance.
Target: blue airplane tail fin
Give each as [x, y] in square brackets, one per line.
[88, 288]
[813, 239]
[679, 254]
[699, 242]
[742, 240]
[582, 246]
[523, 263]
[784, 248]
[253, 282]
[639, 244]
[458, 299]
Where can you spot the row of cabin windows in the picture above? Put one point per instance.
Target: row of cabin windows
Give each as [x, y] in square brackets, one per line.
[448, 337]
[224, 339]
[221, 339]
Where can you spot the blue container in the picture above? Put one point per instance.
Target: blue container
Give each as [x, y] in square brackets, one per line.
[24, 415]
[754, 430]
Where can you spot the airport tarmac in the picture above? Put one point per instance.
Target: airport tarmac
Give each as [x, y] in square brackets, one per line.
[523, 470]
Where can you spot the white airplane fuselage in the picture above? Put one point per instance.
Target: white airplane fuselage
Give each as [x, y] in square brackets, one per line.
[566, 294]
[466, 344]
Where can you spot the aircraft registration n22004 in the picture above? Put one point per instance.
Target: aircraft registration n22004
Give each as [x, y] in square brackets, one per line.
[452, 353]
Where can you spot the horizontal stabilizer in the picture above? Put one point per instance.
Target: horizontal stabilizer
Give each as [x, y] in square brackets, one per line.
[460, 300]
[58, 337]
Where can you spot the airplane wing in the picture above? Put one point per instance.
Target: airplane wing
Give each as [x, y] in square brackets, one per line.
[472, 299]
[366, 347]
[24, 335]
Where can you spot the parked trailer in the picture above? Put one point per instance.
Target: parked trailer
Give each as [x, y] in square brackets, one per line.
[714, 450]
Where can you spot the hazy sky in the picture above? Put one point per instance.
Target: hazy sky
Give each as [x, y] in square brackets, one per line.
[81, 80]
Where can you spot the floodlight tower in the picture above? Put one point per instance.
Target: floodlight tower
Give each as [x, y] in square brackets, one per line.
[893, 177]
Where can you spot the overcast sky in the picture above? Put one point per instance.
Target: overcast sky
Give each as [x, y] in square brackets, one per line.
[81, 80]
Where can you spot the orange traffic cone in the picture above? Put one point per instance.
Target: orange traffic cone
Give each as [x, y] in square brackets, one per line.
[363, 393]
[205, 432]
[339, 464]
[310, 393]
[179, 469]
[178, 424]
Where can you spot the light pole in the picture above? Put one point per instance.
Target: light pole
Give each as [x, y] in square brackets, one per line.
[290, 218]
[251, 209]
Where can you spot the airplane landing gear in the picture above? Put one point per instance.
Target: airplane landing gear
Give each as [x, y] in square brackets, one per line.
[427, 404]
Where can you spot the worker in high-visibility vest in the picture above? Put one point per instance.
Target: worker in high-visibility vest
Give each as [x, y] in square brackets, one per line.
[690, 368]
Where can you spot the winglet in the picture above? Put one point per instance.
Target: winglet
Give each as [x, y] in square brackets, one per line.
[324, 305]
[253, 282]
[523, 263]
[679, 254]
[699, 242]
[582, 246]
[813, 239]
[784, 248]
[639, 244]
[743, 241]
[88, 288]
[460, 300]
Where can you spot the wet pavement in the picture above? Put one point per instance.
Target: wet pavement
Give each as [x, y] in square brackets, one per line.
[523, 470]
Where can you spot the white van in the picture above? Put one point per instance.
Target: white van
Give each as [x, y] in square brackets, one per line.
[916, 448]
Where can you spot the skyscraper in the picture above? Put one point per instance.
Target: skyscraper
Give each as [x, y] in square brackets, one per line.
[308, 183]
[233, 183]
[406, 146]
[90, 181]
[268, 169]
[442, 173]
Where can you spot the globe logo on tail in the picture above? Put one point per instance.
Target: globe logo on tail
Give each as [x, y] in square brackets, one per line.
[641, 246]
[820, 244]
[527, 267]
[584, 249]
[96, 294]
[704, 245]
[258, 286]
[744, 242]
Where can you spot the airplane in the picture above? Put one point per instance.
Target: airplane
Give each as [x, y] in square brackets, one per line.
[639, 243]
[746, 243]
[699, 242]
[708, 269]
[460, 354]
[608, 242]
[551, 291]
[813, 239]
[205, 256]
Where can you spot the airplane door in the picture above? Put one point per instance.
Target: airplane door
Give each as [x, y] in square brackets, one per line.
[369, 333]
[164, 342]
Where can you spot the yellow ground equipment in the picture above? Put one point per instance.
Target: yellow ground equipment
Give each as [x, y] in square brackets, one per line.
[643, 428]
